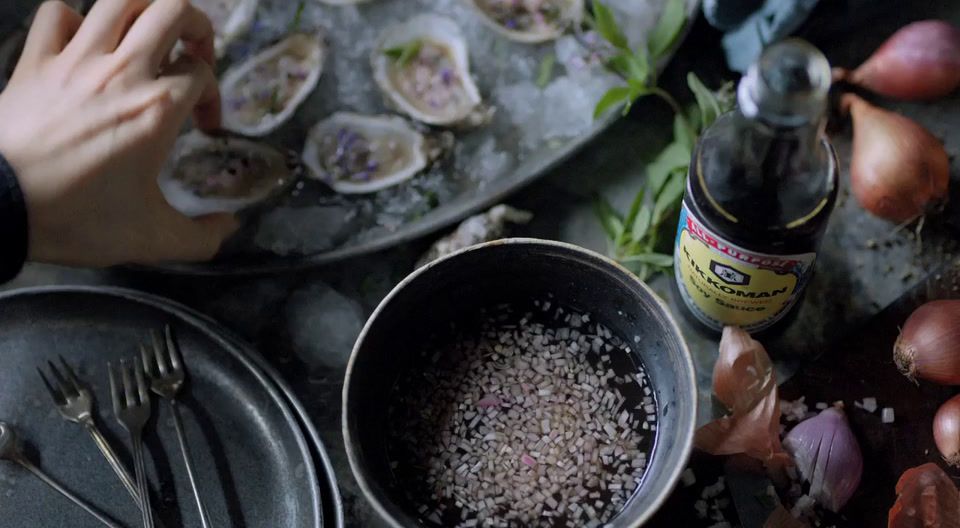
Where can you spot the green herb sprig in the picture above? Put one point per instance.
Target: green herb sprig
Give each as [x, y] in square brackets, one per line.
[639, 239]
[404, 53]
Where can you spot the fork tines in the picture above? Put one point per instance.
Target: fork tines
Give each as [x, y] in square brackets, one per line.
[164, 356]
[67, 384]
[133, 393]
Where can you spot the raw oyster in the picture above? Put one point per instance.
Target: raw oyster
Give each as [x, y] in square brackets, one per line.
[224, 174]
[261, 93]
[423, 69]
[230, 18]
[355, 154]
[484, 227]
[530, 20]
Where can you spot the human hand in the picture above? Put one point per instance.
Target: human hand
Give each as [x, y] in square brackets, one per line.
[87, 122]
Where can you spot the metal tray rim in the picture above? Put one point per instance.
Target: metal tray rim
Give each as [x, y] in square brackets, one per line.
[244, 353]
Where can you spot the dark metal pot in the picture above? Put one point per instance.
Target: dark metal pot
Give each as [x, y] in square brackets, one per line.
[507, 271]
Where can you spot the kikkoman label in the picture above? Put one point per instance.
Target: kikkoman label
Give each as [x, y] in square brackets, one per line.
[724, 284]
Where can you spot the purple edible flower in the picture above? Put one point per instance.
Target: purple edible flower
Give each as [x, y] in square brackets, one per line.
[446, 76]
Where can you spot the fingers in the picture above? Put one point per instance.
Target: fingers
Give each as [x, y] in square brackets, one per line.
[53, 27]
[193, 86]
[105, 26]
[158, 29]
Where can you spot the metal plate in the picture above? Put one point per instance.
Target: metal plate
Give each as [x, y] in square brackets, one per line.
[254, 464]
[332, 501]
[328, 227]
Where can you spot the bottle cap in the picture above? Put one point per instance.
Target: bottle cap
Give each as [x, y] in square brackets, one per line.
[787, 86]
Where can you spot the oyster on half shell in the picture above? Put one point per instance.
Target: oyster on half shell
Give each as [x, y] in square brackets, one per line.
[530, 21]
[209, 174]
[355, 154]
[423, 69]
[261, 93]
[230, 19]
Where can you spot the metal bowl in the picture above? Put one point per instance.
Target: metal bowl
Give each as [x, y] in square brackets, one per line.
[510, 271]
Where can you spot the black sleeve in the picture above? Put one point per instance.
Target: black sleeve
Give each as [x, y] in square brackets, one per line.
[13, 224]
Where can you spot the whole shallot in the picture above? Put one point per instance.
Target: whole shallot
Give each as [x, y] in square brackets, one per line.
[898, 170]
[946, 431]
[920, 61]
[929, 344]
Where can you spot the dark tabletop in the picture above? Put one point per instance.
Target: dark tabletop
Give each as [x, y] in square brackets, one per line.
[305, 323]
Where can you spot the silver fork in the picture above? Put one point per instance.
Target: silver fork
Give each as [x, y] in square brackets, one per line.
[131, 405]
[75, 404]
[165, 369]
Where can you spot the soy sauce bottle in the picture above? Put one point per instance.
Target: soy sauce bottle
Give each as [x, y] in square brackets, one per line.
[761, 188]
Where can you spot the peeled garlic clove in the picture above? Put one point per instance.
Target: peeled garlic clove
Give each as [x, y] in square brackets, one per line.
[898, 170]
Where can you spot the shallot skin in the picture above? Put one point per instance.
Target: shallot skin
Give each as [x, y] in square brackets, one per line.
[928, 347]
[921, 61]
[926, 497]
[898, 170]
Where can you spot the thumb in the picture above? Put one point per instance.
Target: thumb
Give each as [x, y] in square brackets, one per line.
[195, 239]
[209, 233]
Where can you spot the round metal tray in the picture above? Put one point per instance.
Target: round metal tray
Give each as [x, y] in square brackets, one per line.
[319, 226]
[82, 324]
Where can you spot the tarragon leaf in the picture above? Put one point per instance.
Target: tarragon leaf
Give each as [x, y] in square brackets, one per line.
[669, 196]
[295, 23]
[641, 224]
[404, 53]
[635, 207]
[609, 218]
[668, 28]
[683, 133]
[607, 26]
[637, 89]
[709, 106]
[545, 73]
[613, 97]
[674, 157]
[654, 259]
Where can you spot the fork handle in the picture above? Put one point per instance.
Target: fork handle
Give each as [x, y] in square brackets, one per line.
[188, 462]
[141, 471]
[122, 473]
[37, 472]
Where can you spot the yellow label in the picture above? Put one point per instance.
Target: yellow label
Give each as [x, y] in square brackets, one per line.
[724, 284]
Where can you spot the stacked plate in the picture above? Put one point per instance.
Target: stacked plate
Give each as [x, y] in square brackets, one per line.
[258, 458]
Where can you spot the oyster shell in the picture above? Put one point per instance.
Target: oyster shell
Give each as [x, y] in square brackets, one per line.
[224, 174]
[356, 154]
[423, 69]
[484, 227]
[261, 93]
[230, 18]
[529, 21]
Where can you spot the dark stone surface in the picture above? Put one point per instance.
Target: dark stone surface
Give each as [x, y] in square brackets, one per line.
[304, 323]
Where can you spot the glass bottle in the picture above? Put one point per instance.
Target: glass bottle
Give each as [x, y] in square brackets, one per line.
[761, 188]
